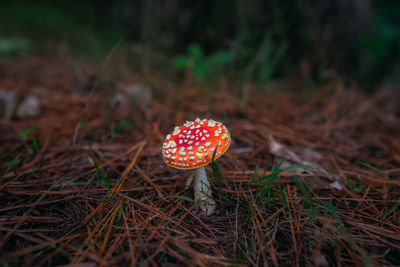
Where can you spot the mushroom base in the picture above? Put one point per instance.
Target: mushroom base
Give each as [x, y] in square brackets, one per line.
[202, 192]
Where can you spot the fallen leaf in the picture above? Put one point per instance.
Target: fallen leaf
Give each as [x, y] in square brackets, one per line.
[315, 182]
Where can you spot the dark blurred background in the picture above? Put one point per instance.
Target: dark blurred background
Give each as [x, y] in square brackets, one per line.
[355, 40]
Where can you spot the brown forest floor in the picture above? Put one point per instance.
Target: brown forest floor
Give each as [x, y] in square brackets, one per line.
[56, 209]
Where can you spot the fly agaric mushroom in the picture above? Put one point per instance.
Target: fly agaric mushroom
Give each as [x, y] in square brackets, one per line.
[192, 146]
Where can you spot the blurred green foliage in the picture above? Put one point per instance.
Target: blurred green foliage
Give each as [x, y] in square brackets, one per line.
[38, 23]
[122, 125]
[255, 39]
[25, 134]
[203, 67]
[11, 48]
[264, 64]
[381, 48]
[14, 46]
[259, 66]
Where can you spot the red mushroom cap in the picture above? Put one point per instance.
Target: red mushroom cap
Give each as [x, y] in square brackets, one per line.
[193, 144]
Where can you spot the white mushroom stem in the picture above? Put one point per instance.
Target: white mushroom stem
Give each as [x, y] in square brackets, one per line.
[202, 192]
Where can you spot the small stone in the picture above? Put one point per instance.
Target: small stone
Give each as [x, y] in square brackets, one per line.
[138, 93]
[29, 108]
[119, 100]
[132, 94]
[8, 102]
